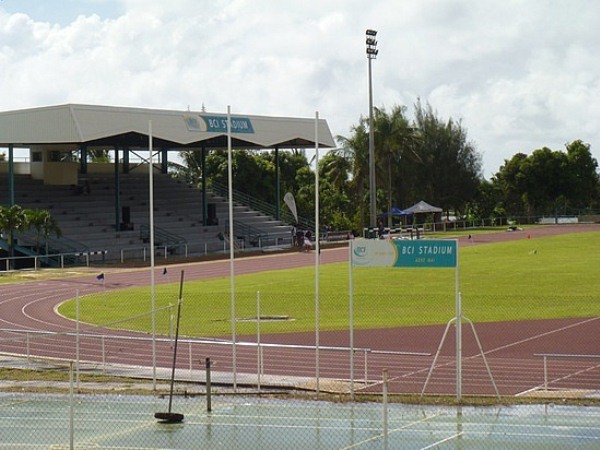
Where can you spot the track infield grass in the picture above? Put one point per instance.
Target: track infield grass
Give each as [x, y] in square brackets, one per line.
[544, 278]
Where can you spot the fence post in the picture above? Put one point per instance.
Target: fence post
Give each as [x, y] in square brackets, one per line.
[71, 408]
[77, 335]
[385, 409]
[366, 368]
[545, 374]
[191, 363]
[208, 387]
[103, 356]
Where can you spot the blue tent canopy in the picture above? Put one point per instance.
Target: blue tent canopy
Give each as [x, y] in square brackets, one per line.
[395, 212]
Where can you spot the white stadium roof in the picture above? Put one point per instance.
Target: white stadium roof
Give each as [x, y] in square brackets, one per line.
[93, 125]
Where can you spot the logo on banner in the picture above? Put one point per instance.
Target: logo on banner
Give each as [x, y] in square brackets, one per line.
[217, 124]
[373, 253]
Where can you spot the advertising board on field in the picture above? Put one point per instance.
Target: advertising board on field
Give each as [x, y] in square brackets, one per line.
[404, 253]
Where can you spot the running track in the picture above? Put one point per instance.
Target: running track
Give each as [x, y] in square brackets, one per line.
[509, 347]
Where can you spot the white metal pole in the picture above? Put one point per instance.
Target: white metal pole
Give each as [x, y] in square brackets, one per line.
[385, 409]
[151, 228]
[77, 337]
[458, 331]
[317, 256]
[231, 240]
[258, 350]
[71, 408]
[351, 317]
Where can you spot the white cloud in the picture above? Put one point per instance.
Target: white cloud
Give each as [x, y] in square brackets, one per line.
[519, 75]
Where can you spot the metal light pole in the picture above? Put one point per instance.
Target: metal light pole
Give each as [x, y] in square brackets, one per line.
[372, 51]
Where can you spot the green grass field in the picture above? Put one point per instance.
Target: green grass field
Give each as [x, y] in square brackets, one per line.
[549, 277]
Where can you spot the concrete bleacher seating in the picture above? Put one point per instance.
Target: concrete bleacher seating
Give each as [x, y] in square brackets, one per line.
[90, 217]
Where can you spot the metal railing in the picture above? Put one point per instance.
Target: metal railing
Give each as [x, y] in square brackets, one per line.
[162, 237]
[261, 205]
[63, 259]
[547, 356]
[29, 245]
[143, 252]
[99, 349]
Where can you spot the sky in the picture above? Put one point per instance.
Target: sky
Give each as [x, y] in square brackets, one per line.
[519, 75]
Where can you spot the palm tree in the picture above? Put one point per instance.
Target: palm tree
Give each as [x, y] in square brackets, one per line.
[44, 225]
[395, 139]
[12, 219]
[356, 150]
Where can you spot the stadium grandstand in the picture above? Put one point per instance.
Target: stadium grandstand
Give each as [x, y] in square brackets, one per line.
[102, 208]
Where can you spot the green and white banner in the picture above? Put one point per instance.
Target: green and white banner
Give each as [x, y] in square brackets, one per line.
[404, 253]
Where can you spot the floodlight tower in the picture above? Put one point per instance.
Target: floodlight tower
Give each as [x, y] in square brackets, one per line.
[372, 51]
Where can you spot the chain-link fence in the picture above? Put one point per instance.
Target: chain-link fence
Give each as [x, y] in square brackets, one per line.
[116, 413]
[498, 358]
[296, 370]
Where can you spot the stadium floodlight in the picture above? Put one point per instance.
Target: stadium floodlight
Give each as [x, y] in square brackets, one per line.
[371, 54]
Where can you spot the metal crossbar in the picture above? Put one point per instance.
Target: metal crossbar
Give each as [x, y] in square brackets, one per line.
[546, 356]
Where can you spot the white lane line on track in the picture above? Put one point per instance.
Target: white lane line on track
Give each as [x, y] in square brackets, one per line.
[478, 355]
[538, 336]
[62, 296]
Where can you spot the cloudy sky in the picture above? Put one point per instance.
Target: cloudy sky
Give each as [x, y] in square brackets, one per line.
[519, 75]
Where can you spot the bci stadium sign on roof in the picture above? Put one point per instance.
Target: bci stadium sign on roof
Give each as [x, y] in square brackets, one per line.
[218, 124]
[404, 253]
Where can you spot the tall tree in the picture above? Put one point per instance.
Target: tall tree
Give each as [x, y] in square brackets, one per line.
[356, 150]
[511, 182]
[583, 176]
[426, 159]
[549, 182]
[290, 162]
[546, 176]
[336, 207]
[450, 169]
[396, 142]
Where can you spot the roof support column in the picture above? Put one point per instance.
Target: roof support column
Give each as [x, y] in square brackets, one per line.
[164, 160]
[11, 176]
[83, 159]
[125, 159]
[277, 186]
[117, 193]
[203, 178]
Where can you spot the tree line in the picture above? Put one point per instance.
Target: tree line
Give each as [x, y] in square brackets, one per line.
[420, 158]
